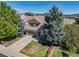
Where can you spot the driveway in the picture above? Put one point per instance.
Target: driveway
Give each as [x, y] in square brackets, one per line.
[13, 50]
[20, 44]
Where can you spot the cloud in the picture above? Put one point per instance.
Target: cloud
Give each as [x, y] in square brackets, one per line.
[20, 10]
[71, 12]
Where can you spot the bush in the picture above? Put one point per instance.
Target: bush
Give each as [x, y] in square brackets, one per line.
[71, 38]
[57, 52]
[77, 20]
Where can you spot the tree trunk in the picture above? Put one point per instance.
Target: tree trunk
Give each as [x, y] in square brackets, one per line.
[49, 51]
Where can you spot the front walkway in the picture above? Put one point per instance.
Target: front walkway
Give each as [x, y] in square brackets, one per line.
[13, 50]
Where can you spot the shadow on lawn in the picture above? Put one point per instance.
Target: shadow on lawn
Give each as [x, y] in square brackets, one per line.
[41, 40]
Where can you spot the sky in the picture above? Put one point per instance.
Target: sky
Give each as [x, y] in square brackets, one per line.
[67, 7]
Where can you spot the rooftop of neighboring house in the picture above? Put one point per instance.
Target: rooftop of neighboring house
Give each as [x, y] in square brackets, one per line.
[39, 19]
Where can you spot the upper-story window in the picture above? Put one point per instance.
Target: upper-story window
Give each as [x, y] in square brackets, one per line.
[34, 23]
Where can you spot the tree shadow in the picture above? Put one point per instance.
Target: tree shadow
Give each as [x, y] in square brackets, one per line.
[43, 41]
[64, 54]
[6, 39]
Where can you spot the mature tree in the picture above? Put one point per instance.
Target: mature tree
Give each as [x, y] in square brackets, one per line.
[29, 14]
[9, 21]
[52, 31]
[21, 27]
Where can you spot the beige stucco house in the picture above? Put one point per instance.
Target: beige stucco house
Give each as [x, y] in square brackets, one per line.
[32, 23]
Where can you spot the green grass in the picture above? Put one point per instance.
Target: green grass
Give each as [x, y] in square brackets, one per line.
[34, 49]
[57, 52]
[73, 55]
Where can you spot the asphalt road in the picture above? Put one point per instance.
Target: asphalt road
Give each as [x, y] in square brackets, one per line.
[1, 55]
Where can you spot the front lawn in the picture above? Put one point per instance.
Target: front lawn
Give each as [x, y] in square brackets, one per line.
[57, 52]
[34, 49]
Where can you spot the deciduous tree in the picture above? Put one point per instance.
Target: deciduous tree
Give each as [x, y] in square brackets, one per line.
[9, 21]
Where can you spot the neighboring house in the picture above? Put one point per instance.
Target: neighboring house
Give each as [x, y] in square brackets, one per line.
[32, 23]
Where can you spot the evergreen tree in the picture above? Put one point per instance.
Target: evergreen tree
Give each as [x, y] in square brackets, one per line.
[21, 26]
[52, 31]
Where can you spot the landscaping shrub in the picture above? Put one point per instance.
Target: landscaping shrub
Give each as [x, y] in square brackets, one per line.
[71, 38]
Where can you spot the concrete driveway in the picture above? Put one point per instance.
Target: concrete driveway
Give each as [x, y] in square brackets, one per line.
[13, 50]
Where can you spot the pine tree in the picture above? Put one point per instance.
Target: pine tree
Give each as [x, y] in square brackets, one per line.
[52, 31]
[21, 26]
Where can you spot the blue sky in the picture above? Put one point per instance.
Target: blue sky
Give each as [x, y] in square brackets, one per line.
[44, 6]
